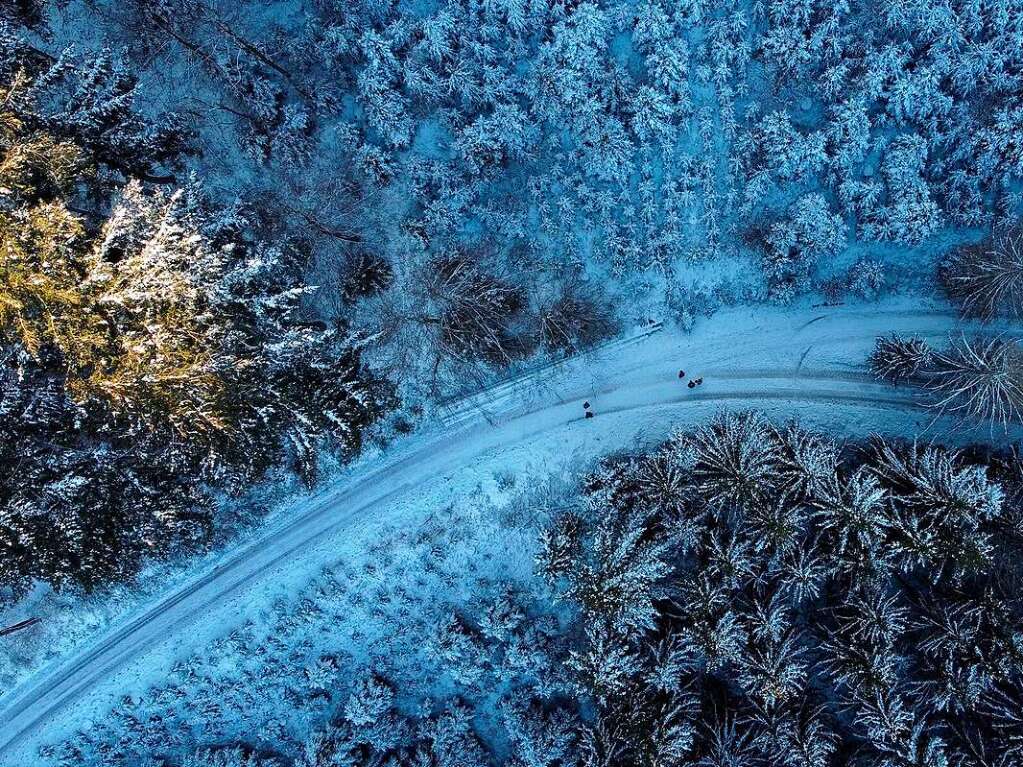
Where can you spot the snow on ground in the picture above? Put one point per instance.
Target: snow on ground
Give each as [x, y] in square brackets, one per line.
[281, 671]
[804, 363]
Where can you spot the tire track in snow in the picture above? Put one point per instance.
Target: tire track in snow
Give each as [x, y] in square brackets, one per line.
[940, 313]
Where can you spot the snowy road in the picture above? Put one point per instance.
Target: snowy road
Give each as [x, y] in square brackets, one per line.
[805, 363]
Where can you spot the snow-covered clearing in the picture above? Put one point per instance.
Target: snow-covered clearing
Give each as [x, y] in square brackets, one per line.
[805, 362]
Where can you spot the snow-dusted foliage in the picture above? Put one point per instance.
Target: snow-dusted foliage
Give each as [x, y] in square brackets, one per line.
[986, 279]
[150, 355]
[210, 354]
[853, 603]
[620, 141]
[89, 100]
[896, 358]
[450, 310]
[735, 459]
[981, 378]
[79, 508]
[975, 379]
[470, 185]
[229, 756]
[809, 233]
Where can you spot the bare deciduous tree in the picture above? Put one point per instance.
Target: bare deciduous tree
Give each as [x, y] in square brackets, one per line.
[571, 321]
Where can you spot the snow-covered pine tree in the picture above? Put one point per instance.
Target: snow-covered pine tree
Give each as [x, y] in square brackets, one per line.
[896, 358]
[986, 279]
[206, 346]
[170, 349]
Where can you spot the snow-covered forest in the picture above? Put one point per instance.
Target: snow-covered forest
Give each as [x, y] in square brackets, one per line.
[747, 593]
[251, 250]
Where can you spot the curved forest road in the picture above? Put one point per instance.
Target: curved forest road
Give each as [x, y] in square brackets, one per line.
[806, 363]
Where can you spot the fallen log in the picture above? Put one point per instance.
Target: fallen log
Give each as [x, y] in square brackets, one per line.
[19, 626]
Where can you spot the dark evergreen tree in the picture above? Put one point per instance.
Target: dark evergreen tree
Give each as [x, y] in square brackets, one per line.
[829, 603]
